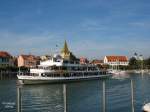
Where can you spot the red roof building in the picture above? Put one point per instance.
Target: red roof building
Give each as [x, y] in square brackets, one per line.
[28, 60]
[4, 54]
[6, 59]
[116, 60]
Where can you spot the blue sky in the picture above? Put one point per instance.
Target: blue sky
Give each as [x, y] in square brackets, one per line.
[92, 28]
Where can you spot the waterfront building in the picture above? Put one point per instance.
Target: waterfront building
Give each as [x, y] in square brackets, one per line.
[28, 61]
[97, 62]
[6, 59]
[15, 61]
[84, 60]
[116, 60]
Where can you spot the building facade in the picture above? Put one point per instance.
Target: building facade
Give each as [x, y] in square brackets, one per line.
[28, 61]
[97, 62]
[116, 60]
[84, 60]
[6, 59]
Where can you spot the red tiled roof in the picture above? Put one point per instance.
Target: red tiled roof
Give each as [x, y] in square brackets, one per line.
[4, 54]
[117, 58]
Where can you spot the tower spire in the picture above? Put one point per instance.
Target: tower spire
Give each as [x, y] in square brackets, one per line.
[65, 49]
[65, 53]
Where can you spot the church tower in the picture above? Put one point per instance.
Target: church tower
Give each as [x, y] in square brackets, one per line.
[65, 53]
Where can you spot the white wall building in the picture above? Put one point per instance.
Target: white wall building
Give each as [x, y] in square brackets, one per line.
[116, 60]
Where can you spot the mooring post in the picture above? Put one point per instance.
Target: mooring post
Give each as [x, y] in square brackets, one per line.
[104, 97]
[19, 99]
[65, 98]
[132, 96]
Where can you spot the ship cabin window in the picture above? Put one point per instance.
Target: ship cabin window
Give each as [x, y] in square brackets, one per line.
[43, 74]
[64, 68]
[91, 68]
[45, 68]
[49, 68]
[65, 62]
[72, 62]
[40, 67]
[74, 68]
[34, 74]
[84, 69]
[54, 68]
[81, 69]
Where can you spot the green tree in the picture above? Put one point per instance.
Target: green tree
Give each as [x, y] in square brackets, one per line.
[147, 63]
[133, 63]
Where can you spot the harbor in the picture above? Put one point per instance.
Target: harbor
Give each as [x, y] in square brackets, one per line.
[64, 83]
[74, 56]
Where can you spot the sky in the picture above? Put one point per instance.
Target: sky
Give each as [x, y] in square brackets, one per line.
[92, 28]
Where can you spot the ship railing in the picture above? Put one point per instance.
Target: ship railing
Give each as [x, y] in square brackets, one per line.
[65, 73]
[23, 73]
[61, 73]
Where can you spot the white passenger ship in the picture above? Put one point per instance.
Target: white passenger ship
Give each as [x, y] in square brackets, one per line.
[61, 68]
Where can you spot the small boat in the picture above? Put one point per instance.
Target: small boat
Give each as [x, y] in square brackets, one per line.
[137, 71]
[146, 108]
[118, 74]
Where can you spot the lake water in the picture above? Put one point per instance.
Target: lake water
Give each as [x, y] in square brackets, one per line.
[84, 96]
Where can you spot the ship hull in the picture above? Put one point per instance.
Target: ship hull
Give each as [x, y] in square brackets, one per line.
[45, 80]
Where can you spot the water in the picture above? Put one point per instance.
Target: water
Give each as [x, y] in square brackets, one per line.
[85, 96]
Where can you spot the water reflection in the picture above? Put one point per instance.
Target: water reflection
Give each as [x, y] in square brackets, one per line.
[39, 98]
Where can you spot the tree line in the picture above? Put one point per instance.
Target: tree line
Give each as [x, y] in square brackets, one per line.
[139, 64]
